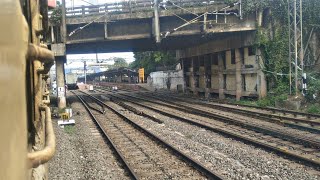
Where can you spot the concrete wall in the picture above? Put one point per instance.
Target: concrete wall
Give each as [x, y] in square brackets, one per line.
[233, 71]
[159, 80]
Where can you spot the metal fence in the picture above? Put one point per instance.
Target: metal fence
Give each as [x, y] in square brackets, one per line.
[133, 6]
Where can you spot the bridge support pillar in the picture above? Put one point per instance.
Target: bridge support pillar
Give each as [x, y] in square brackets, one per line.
[261, 79]
[238, 74]
[193, 79]
[221, 77]
[61, 96]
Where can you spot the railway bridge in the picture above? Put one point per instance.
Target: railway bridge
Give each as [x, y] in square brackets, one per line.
[213, 40]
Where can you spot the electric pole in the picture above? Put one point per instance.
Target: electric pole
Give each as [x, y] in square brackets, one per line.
[85, 72]
[295, 40]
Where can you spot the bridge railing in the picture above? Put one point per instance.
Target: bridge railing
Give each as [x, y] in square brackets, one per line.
[133, 6]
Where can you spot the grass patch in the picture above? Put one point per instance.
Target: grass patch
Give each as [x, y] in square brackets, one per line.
[270, 100]
[314, 109]
[69, 129]
[63, 110]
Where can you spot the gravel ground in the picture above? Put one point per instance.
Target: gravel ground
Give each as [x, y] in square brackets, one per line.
[148, 159]
[81, 152]
[234, 159]
[247, 120]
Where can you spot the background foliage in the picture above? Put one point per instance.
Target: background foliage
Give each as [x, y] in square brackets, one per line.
[150, 60]
[119, 62]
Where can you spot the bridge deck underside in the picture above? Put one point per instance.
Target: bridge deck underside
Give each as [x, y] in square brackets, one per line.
[148, 44]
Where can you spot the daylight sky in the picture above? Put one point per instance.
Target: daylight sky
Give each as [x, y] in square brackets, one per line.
[128, 56]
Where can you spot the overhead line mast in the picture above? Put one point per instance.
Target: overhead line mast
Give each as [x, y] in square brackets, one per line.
[296, 51]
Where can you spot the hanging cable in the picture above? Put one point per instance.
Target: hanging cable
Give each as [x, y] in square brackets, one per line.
[165, 34]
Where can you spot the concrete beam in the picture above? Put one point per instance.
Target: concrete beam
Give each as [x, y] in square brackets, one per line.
[227, 41]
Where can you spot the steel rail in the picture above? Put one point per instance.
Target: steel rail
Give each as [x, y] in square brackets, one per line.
[195, 163]
[288, 153]
[267, 117]
[287, 121]
[123, 160]
[265, 130]
[284, 111]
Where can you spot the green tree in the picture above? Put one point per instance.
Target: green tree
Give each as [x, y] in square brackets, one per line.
[55, 20]
[56, 15]
[150, 60]
[120, 62]
[272, 37]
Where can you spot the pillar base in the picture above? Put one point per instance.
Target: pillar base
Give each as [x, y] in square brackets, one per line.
[221, 94]
[238, 95]
[207, 94]
[195, 92]
[62, 103]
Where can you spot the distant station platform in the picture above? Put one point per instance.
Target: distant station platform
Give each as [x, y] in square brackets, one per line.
[120, 75]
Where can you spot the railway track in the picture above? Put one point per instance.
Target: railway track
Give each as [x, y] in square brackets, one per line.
[229, 117]
[283, 114]
[295, 151]
[258, 126]
[144, 154]
[305, 121]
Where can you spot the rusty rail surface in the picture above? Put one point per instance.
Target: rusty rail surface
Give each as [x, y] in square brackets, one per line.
[279, 150]
[195, 163]
[118, 152]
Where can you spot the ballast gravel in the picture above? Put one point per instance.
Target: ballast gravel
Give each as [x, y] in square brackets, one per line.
[233, 159]
[81, 152]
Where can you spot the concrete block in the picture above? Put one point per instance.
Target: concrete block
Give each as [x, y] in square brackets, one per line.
[59, 49]
[62, 123]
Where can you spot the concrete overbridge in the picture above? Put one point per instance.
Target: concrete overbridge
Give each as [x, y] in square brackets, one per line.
[140, 25]
[213, 40]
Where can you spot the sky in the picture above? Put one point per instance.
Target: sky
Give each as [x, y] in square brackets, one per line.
[128, 56]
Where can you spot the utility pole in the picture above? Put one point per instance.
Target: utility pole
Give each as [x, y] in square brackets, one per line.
[295, 40]
[156, 21]
[295, 46]
[85, 72]
[290, 54]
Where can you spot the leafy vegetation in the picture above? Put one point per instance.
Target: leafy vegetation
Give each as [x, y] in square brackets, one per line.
[313, 81]
[120, 62]
[150, 60]
[272, 40]
[314, 109]
[55, 17]
[69, 129]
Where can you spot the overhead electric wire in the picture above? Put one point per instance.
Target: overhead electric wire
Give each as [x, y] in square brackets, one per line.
[198, 17]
